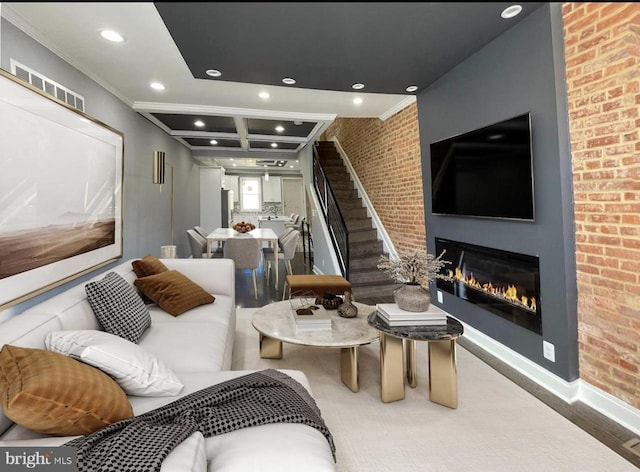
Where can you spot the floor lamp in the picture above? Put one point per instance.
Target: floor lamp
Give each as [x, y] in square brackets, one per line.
[159, 167]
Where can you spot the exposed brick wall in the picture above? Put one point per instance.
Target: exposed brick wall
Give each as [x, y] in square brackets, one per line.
[386, 157]
[602, 47]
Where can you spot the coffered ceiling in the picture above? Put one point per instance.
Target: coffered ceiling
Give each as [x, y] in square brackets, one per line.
[246, 110]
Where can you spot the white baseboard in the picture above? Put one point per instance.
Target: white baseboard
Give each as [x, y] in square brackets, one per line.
[578, 390]
[610, 406]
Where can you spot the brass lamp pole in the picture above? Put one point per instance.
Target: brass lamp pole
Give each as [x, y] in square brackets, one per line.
[159, 166]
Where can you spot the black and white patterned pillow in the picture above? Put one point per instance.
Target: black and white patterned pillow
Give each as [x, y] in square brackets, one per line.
[118, 307]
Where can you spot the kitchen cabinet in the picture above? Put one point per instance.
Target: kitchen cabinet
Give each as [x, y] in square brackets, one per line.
[272, 189]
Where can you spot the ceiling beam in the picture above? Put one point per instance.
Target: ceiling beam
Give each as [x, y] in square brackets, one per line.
[241, 128]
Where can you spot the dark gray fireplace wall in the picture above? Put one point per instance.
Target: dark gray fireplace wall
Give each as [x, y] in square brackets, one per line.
[520, 71]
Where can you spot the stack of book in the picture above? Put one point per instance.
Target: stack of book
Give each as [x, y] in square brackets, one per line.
[319, 320]
[394, 316]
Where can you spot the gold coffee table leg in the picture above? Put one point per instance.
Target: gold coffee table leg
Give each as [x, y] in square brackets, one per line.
[349, 367]
[443, 376]
[412, 378]
[270, 348]
[391, 368]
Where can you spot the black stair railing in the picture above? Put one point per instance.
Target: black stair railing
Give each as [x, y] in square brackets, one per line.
[332, 214]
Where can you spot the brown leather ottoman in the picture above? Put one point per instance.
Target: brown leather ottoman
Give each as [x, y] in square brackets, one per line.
[318, 284]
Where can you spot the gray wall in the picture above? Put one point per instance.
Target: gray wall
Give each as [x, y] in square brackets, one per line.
[146, 210]
[521, 71]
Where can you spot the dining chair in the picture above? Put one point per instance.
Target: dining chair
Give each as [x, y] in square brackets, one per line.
[246, 253]
[201, 231]
[284, 234]
[198, 244]
[295, 218]
[287, 251]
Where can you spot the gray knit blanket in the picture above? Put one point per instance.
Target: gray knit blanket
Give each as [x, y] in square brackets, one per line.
[143, 442]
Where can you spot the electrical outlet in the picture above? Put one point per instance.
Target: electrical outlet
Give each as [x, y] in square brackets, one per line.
[549, 351]
[440, 297]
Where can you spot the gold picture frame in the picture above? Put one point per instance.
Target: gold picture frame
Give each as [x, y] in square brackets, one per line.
[61, 175]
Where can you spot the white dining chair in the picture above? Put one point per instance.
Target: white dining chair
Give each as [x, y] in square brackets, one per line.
[197, 243]
[287, 251]
[246, 253]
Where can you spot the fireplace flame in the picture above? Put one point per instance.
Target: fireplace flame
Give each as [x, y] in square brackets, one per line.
[508, 293]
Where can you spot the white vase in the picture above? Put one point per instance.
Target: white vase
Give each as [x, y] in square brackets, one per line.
[412, 297]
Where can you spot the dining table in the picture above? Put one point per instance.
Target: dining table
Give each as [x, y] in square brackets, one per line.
[220, 235]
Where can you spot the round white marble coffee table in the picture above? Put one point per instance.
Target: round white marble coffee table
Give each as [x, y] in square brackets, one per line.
[276, 325]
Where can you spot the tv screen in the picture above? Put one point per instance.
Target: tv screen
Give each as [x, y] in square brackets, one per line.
[485, 173]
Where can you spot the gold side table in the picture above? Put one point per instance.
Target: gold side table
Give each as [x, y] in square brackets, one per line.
[395, 360]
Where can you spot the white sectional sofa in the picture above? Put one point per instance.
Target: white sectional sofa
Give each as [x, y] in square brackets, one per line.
[197, 346]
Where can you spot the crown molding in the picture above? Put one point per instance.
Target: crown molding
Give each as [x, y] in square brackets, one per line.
[398, 107]
[155, 107]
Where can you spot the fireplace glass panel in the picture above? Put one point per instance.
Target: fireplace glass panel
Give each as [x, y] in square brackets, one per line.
[504, 283]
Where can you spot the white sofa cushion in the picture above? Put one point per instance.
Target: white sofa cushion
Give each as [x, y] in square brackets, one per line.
[137, 371]
[186, 347]
[306, 449]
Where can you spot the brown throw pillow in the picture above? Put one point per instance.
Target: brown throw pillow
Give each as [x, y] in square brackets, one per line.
[54, 394]
[173, 291]
[148, 265]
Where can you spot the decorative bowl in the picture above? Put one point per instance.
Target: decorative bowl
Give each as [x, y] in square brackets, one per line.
[243, 227]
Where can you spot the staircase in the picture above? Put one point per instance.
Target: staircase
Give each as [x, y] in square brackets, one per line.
[370, 285]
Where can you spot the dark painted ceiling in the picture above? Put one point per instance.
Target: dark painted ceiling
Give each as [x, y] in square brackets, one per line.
[329, 46]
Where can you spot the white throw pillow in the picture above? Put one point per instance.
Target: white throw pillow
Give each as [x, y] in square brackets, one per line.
[137, 371]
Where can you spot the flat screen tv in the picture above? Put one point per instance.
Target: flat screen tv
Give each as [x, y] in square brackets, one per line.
[486, 173]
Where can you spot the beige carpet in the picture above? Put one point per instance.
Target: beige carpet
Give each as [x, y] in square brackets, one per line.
[497, 426]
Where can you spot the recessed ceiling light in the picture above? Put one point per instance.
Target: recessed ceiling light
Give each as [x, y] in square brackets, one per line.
[213, 141]
[297, 160]
[234, 164]
[511, 11]
[279, 128]
[291, 167]
[156, 86]
[264, 95]
[357, 86]
[289, 81]
[297, 123]
[112, 36]
[213, 73]
[231, 158]
[357, 101]
[274, 145]
[199, 123]
[412, 88]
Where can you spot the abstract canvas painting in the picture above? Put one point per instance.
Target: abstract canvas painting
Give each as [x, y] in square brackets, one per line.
[60, 191]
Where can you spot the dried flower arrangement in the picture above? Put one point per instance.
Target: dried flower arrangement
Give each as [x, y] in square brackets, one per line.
[414, 267]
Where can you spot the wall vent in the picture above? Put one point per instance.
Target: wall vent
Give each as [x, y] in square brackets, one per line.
[47, 85]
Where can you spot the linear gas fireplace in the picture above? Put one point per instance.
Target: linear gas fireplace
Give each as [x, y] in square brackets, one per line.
[504, 283]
